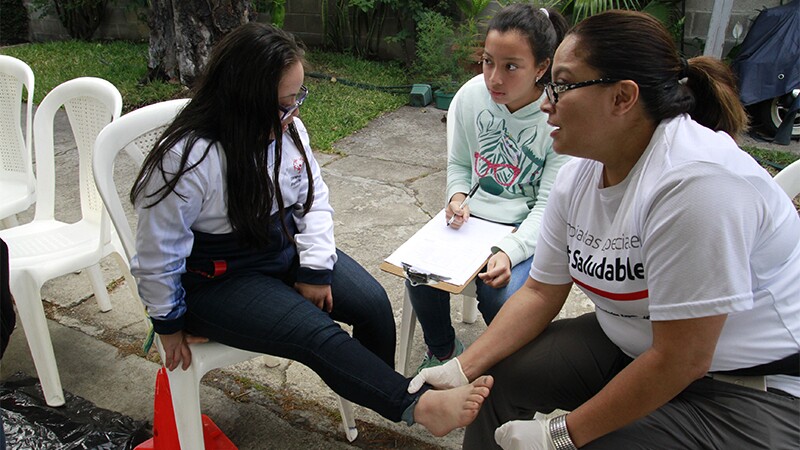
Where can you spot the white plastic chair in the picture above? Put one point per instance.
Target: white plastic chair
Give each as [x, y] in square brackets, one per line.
[789, 179]
[47, 248]
[136, 132]
[469, 303]
[17, 182]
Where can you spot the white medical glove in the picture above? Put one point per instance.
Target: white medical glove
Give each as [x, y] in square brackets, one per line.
[446, 376]
[525, 435]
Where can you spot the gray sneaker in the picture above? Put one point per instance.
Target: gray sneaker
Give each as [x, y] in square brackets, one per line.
[433, 361]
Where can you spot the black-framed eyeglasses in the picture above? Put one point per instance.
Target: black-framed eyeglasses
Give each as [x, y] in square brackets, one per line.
[553, 89]
[299, 99]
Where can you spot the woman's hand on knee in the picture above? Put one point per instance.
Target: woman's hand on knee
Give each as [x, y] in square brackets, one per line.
[176, 349]
[318, 294]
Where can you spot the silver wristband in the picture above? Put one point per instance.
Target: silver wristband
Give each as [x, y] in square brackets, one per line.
[559, 433]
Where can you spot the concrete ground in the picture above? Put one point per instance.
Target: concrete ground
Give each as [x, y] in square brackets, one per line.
[386, 181]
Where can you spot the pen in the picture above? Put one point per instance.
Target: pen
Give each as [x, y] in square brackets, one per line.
[464, 203]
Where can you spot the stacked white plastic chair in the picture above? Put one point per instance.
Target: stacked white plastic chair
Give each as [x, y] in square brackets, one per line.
[469, 305]
[135, 133]
[47, 248]
[17, 183]
[789, 179]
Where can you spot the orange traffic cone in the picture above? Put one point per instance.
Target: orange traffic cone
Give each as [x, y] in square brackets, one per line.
[165, 433]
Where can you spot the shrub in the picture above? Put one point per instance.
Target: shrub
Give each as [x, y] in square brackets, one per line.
[13, 22]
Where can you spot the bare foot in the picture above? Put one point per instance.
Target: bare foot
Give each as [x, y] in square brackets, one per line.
[443, 411]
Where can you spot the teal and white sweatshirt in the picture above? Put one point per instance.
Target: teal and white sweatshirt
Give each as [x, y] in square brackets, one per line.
[510, 155]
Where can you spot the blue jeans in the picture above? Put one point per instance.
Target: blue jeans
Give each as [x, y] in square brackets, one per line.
[260, 313]
[433, 307]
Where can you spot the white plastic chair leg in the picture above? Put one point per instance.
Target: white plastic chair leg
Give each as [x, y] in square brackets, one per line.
[185, 389]
[99, 288]
[126, 273]
[407, 325]
[348, 421]
[10, 221]
[31, 314]
[469, 303]
[469, 309]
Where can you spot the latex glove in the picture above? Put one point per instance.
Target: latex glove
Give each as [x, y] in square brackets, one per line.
[446, 376]
[525, 435]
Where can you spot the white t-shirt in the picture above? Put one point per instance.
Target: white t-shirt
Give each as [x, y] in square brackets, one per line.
[696, 229]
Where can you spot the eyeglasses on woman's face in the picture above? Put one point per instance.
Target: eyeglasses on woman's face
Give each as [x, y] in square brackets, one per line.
[298, 100]
[553, 89]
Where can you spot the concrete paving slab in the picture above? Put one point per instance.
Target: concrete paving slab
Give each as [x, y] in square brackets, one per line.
[415, 136]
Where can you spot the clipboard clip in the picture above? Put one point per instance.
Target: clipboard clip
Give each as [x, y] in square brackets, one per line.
[421, 278]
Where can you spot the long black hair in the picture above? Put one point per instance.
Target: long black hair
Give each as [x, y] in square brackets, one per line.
[235, 105]
[543, 27]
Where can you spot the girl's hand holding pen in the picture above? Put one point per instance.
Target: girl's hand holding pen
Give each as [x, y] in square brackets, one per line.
[457, 212]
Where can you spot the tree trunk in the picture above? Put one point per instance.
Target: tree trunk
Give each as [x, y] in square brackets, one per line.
[182, 33]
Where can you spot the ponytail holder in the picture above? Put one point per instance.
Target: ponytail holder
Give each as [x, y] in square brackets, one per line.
[546, 13]
[683, 76]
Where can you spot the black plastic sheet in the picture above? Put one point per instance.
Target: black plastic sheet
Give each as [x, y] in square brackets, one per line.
[30, 424]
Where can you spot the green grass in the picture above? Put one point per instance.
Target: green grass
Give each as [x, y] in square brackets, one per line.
[333, 109]
[122, 63]
[772, 158]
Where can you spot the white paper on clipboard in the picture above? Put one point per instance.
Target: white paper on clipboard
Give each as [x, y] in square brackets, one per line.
[449, 252]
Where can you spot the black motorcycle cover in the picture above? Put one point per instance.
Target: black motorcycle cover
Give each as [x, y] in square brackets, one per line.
[768, 64]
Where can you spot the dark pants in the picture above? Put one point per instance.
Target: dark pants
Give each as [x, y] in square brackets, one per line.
[573, 359]
[256, 312]
[432, 307]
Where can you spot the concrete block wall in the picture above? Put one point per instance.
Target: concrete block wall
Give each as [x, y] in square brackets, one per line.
[698, 19]
[121, 22]
[304, 18]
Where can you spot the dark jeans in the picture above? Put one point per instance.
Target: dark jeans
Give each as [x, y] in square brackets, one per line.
[573, 359]
[260, 313]
[432, 307]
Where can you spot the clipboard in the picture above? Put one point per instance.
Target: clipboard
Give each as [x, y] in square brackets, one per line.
[445, 258]
[443, 285]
